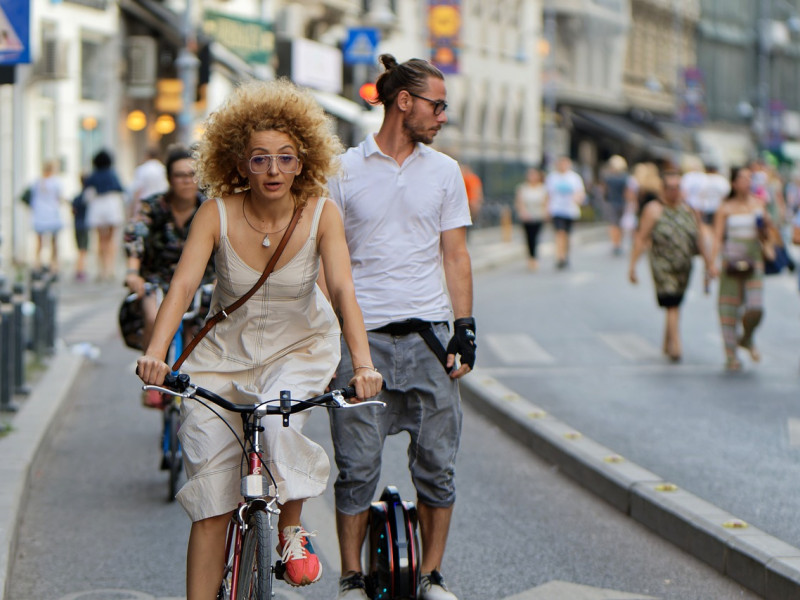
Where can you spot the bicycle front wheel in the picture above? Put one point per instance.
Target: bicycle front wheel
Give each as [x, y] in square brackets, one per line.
[255, 570]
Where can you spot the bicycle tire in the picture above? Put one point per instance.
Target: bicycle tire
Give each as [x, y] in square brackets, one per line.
[175, 458]
[255, 570]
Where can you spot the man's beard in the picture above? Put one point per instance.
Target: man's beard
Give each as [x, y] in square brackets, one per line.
[416, 133]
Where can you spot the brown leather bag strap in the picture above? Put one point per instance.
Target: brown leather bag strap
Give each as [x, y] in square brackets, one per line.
[223, 314]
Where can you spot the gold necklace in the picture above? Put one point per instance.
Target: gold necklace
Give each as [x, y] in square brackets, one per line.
[265, 242]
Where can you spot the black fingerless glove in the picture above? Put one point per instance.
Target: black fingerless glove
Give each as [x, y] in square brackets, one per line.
[463, 341]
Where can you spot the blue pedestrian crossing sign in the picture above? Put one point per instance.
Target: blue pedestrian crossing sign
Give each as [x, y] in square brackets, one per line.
[361, 46]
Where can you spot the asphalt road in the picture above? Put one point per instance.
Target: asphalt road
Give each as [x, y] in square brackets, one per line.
[585, 346]
[97, 525]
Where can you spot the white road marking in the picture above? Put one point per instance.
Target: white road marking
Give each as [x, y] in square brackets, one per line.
[558, 590]
[794, 431]
[517, 349]
[631, 346]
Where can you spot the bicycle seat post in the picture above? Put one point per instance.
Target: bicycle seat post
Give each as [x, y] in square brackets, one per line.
[286, 406]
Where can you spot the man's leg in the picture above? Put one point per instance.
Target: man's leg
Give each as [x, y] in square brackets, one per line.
[434, 526]
[352, 529]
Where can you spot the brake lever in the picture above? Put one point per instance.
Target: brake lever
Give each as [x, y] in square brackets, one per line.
[338, 399]
[189, 393]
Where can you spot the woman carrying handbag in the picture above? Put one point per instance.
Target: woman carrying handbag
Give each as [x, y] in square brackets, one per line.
[739, 230]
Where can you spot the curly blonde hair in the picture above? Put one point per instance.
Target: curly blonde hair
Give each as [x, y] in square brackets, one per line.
[262, 106]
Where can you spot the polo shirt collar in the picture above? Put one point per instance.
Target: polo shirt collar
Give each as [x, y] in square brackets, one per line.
[371, 147]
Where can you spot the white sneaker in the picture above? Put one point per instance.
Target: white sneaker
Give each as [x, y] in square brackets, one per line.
[432, 587]
[352, 587]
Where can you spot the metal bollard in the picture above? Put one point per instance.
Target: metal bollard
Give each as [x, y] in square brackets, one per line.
[6, 350]
[51, 298]
[39, 299]
[20, 341]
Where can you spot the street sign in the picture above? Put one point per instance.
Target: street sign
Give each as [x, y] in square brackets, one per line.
[14, 32]
[361, 46]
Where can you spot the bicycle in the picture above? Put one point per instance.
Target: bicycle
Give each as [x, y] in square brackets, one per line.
[249, 571]
[172, 458]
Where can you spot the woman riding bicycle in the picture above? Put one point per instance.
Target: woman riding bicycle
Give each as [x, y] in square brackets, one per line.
[264, 155]
[154, 241]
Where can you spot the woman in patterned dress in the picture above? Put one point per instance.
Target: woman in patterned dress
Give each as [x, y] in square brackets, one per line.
[671, 229]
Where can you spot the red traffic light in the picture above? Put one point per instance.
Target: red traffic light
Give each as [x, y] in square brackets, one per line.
[368, 92]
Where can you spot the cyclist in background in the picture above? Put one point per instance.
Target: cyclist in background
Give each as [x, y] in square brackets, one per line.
[266, 154]
[154, 241]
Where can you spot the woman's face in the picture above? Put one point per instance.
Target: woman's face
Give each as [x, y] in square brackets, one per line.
[534, 176]
[181, 179]
[741, 183]
[271, 164]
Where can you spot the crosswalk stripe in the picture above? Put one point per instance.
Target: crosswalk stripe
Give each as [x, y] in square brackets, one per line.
[517, 349]
[630, 345]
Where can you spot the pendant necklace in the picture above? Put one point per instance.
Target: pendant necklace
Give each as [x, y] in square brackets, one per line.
[265, 242]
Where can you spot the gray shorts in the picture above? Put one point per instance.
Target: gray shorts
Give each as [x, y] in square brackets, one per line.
[420, 399]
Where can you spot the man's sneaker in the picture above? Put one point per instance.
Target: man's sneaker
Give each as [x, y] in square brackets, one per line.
[352, 587]
[298, 556]
[432, 587]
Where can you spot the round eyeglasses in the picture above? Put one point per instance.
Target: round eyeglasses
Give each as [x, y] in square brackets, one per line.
[439, 106]
[286, 163]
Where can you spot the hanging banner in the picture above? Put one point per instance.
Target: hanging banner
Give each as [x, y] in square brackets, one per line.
[15, 17]
[692, 98]
[444, 26]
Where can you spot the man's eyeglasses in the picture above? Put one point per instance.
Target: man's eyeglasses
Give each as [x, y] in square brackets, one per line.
[183, 174]
[261, 163]
[439, 106]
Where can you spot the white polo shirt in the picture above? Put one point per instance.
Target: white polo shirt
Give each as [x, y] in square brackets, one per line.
[393, 218]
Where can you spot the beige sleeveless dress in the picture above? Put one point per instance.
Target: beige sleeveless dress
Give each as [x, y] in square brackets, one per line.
[285, 337]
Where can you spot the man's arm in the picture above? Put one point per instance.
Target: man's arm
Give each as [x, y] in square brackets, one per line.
[458, 276]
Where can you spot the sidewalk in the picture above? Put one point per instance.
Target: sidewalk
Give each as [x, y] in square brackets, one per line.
[768, 566]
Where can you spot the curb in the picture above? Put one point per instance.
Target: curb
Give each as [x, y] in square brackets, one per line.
[19, 449]
[763, 563]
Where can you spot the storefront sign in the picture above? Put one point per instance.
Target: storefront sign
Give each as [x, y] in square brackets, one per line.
[250, 39]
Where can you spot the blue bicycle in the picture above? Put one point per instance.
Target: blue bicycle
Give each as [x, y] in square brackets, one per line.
[172, 457]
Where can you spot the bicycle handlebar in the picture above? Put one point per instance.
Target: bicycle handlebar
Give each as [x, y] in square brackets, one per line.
[180, 385]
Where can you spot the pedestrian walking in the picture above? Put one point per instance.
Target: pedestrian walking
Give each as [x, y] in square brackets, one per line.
[671, 230]
[264, 157]
[405, 216]
[81, 231]
[154, 239]
[565, 196]
[474, 186]
[717, 187]
[619, 194]
[149, 178]
[105, 212]
[530, 202]
[46, 198]
[739, 226]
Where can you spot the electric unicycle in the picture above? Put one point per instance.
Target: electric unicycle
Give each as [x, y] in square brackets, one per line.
[393, 560]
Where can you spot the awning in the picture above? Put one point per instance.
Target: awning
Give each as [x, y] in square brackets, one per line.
[347, 110]
[622, 128]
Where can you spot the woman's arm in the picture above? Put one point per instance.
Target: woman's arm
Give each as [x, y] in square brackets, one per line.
[338, 278]
[719, 232]
[650, 214]
[200, 244]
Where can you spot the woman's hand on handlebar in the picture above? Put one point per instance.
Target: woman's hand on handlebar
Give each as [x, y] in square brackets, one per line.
[135, 284]
[151, 370]
[367, 381]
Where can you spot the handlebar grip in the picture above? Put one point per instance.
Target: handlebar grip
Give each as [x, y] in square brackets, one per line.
[349, 392]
